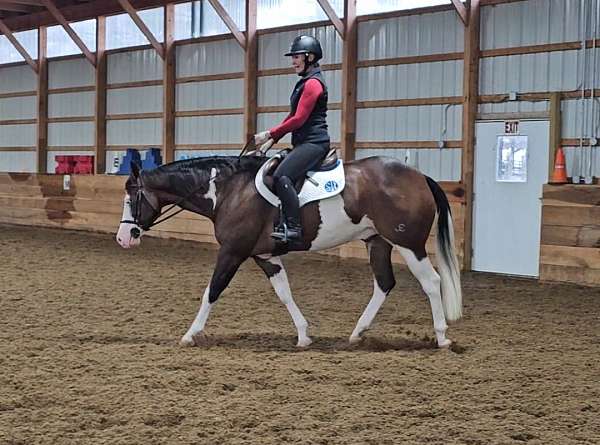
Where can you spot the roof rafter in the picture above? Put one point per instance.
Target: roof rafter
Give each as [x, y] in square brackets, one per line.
[461, 10]
[126, 5]
[12, 39]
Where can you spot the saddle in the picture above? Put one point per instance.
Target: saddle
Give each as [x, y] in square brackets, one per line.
[326, 181]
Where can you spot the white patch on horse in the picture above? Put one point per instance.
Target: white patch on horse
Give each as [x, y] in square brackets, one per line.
[199, 322]
[124, 237]
[430, 282]
[336, 226]
[365, 320]
[212, 188]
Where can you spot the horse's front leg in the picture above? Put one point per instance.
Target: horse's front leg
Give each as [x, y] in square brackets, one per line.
[273, 268]
[227, 265]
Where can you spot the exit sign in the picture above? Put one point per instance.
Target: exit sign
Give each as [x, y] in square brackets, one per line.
[511, 127]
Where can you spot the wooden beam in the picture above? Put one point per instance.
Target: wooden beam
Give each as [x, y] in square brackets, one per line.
[126, 5]
[470, 104]
[25, 2]
[100, 99]
[555, 131]
[250, 72]
[349, 70]
[42, 102]
[12, 39]
[461, 11]
[216, 4]
[169, 74]
[12, 7]
[329, 11]
[51, 7]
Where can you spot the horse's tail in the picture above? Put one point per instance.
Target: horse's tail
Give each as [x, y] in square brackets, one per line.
[447, 261]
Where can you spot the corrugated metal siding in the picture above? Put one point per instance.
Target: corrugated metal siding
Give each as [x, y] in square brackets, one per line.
[272, 47]
[18, 135]
[51, 160]
[574, 161]
[70, 73]
[135, 100]
[224, 56]
[18, 108]
[269, 120]
[276, 90]
[134, 132]
[71, 104]
[134, 65]
[532, 22]
[514, 107]
[571, 118]
[440, 32]
[210, 95]
[441, 165]
[415, 123]
[18, 162]
[189, 154]
[17, 78]
[272, 13]
[209, 130]
[61, 134]
[436, 79]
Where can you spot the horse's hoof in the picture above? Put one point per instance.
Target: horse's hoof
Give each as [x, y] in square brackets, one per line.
[187, 342]
[444, 344]
[355, 339]
[304, 343]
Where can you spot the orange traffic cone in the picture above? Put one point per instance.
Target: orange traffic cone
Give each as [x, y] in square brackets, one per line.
[559, 176]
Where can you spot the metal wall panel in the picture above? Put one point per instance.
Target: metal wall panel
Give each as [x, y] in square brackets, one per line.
[16, 162]
[210, 95]
[209, 23]
[441, 165]
[436, 79]
[573, 158]
[276, 90]
[190, 154]
[415, 35]
[269, 120]
[272, 47]
[209, 129]
[18, 108]
[51, 160]
[61, 134]
[134, 65]
[514, 107]
[272, 13]
[70, 73]
[18, 135]
[134, 100]
[222, 56]
[17, 78]
[572, 117]
[415, 123]
[134, 132]
[532, 22]
[71, 104]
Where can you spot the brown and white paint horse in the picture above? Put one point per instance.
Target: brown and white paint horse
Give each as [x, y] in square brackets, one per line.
[384, 203]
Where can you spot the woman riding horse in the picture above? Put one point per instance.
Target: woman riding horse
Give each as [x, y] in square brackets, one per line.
[310, 140]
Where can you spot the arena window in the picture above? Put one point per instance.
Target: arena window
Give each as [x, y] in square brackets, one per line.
[28, 39]
[60, 44]
[121, 32]
[198, 18]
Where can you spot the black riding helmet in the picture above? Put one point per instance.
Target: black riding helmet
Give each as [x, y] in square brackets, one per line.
[306, 45]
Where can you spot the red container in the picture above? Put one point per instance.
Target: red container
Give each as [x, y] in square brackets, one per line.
[66, 165]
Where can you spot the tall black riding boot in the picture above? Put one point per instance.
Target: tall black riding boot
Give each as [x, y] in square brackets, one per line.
[290, 229]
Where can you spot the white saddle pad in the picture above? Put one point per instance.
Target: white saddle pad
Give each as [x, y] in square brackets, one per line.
[327, 184]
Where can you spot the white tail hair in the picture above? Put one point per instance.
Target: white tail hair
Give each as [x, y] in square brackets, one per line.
[449, 268]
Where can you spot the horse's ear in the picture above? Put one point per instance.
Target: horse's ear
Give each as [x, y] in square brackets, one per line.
[135, 169]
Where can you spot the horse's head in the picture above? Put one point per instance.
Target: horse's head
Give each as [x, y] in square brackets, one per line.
[141, 208]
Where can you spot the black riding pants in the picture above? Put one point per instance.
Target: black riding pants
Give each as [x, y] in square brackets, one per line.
[301, 159]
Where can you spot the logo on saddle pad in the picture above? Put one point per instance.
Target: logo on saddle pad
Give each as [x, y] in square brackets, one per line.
[318, 185]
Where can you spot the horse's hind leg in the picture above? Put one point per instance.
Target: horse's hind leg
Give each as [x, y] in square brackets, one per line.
[383, 281]
[429, 279]
[273, 268]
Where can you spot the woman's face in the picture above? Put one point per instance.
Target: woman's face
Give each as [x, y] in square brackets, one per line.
[298, 62]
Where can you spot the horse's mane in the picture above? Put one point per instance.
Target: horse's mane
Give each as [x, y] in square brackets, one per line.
[178, 173]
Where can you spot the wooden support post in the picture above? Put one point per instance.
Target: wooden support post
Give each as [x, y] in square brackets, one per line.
[42, 102]
[12, 39]
[350, 54]
[250, 72]
[169, 73]
[461, 11]
[100, 99]
[58, 16]
[126, 5]
[239, 36]
[470, 92]
[555, 131]
[330, 12]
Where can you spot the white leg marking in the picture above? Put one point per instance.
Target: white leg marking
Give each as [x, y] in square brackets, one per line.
[282, 289]
[199, 322]
[365, 320]
[430, 282]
